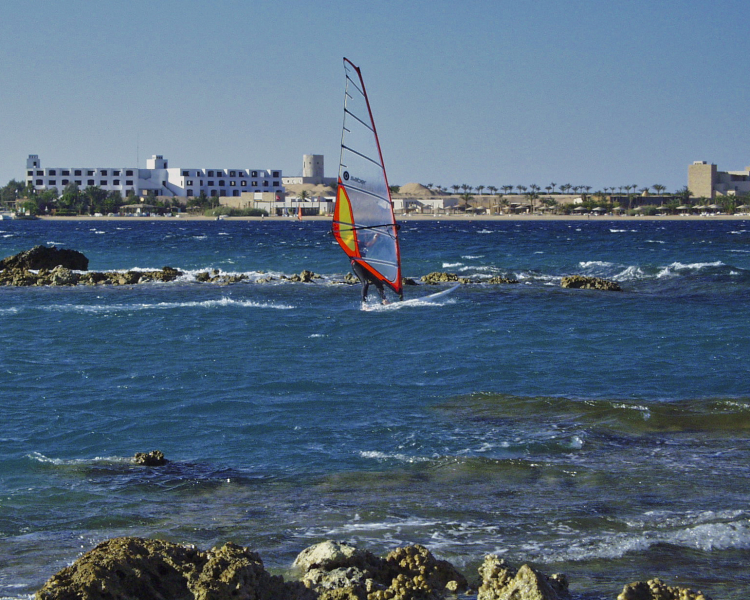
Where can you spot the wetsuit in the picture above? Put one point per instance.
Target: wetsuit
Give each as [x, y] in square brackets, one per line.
[366, 279]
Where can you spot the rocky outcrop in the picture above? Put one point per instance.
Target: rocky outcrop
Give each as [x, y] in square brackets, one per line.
[501, 582]
[438, 277]
[655, 589]
[46, 257]
[498, 279]
[590, 283]
[128, 568]
[62, 276]
[155, 458]
[339, 571]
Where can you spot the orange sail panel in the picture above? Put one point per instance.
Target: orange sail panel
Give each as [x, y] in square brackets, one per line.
[363, 220]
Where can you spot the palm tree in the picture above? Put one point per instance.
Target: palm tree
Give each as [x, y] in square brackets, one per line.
[479, 189]
[492, 189]
[565, 187]
[552, 185]
[659, 189]
[507, 189]
[455, 188]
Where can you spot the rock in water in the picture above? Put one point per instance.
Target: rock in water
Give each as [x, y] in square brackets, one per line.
[155, 458]
[655, 589]
[43, 257]
[590, 283]
[129, 568]
[501, 582]
[340, 571]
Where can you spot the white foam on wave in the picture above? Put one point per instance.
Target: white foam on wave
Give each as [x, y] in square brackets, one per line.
[452, 265]
[630, 274]
[110, 308]
[376, 455]
[412, 303]
[485, 231]
[677, 267]
[687, 531]
[595, 263]
[39, 457]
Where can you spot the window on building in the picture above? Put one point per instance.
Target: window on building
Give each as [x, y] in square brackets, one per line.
[116, 173]
[79, 182]
[129, 173]
[232, 173]
[40, 182]
[52, 172]
[221, 182]
[65, 182]
[78, 173]
[232, 184]
[90, 182]
[265, 184]
[186, 173]
[236, 193]
[240, 174]
[129, 182]
[104, 173]
[210, 174]
[189, 182]
[254, 174]
[214, 193]
[222, 192]
[275, 184]
[115, 182]
[39, 173]
[189, 193]
[52, 182]
[201, 183]
[254, 183]
[275, 173]
[210, 183]
[243, 183]
[65, 172]
[89, 173]
[29, 173]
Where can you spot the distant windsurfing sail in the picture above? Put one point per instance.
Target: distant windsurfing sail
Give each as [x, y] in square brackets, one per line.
[363, 220]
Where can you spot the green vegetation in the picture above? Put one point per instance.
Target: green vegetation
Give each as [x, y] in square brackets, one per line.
[235, 212]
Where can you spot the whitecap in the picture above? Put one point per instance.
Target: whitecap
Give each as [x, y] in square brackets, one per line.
[376, 455]
[452, 265]
[39, 457]
[115, 308]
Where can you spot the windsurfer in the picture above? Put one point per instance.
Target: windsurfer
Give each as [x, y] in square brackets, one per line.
[365, 278]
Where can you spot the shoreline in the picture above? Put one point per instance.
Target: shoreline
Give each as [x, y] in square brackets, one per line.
[489, 218]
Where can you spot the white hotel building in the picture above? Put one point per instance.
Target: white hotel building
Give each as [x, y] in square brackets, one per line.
[158, 178]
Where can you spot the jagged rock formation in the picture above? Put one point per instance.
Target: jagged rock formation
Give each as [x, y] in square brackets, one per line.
[155, 458]
[655, 589]
[501, 582]
[128, 568]
[590, 283]
[339, 571]
[499, 279]
[44, 257]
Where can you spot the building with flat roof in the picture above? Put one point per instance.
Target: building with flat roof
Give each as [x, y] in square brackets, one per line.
[705, 181]
[158, 177]
[313, 172]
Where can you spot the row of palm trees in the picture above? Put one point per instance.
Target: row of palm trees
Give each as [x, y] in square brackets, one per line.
[551, 189]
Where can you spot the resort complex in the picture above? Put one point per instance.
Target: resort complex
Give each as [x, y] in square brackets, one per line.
[705, 181]
[157, 179]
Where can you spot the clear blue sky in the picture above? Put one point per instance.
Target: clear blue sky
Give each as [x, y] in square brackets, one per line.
[496, 92]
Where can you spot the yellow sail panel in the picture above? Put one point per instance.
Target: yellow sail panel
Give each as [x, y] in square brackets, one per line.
[344, 222]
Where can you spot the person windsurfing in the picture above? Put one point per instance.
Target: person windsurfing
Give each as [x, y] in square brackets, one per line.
[365, 278]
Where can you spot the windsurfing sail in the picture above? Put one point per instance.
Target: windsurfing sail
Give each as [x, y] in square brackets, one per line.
[363, 221]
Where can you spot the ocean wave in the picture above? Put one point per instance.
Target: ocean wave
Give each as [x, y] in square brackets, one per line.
[97, 460]
[677, 268]
[452, 265]
[146, 306]
[382, 456]
[706, 537]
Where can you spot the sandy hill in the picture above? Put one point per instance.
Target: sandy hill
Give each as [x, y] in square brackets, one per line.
[416, 189]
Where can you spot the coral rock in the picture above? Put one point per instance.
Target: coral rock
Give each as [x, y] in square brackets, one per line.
[501, 582]
[590, 283]
[655, 589]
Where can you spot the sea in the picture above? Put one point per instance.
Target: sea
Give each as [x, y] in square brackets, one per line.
[605, 435]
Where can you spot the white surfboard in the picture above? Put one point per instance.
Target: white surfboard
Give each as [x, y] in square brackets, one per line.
[430, 298]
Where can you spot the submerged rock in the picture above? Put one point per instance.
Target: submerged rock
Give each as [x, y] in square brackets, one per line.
[498, 279]
[129, 568]
[46, 257]
[590, 283]
[155, 458]
[501, 582]
[655, 589]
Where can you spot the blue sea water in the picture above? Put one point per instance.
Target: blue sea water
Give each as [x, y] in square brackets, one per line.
[601, 434]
